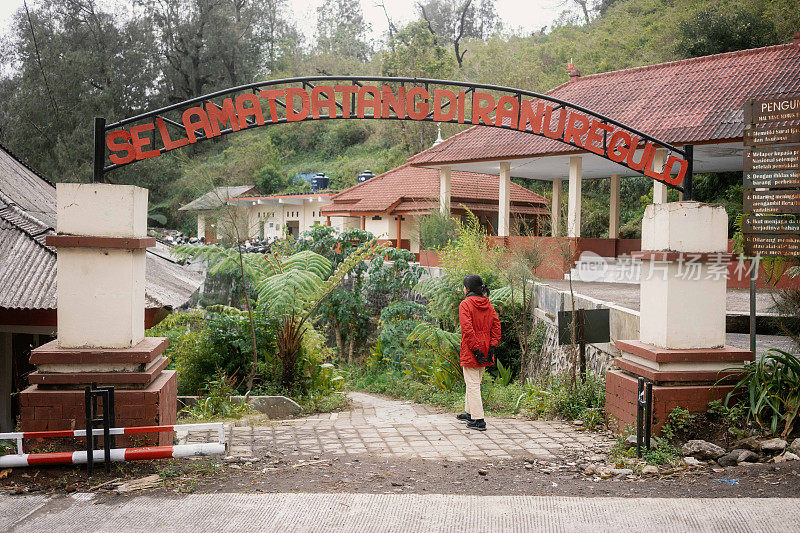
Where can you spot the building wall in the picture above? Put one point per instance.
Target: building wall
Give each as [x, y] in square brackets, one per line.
[275, 218]
[6, 384]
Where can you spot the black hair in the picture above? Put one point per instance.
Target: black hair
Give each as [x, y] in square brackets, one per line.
[475, 284]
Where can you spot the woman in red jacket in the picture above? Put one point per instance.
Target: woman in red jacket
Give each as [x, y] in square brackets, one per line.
[480, 333]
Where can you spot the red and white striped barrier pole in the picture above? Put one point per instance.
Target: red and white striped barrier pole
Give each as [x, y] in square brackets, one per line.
[21, 459]
[117, 455]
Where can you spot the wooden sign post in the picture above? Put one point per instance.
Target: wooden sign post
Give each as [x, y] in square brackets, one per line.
[771, 183]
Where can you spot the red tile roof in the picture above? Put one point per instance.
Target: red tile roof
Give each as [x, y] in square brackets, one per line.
[696, 100]
[408, 189]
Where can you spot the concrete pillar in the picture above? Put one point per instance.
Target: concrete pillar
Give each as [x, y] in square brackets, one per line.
[399, 231]
[444, 189]
[504, 201]
[681, 346]
[682, 309]
[613, 213]
[6, 386]
[659, 189]
[100, 289]
[555, 208]
[574, 202]
[101, 243]
[201, 225]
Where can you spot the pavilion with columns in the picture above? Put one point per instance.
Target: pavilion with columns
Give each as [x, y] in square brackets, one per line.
[695, 101]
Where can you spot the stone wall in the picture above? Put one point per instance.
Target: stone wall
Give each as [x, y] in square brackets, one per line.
[554, 359]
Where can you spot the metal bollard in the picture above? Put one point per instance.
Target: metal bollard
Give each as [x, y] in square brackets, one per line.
[644, 415]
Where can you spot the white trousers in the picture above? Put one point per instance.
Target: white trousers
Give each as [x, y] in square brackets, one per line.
[473, 403]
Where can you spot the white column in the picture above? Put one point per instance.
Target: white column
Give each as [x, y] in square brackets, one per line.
[555, 208]
[504, 198]
[574, 204]
[659, 189]
[680, 311]
[613, 213]
[101, 290]
[444, 189]
[201, 225]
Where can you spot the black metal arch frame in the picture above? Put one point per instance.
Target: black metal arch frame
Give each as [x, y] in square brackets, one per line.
[101, 129]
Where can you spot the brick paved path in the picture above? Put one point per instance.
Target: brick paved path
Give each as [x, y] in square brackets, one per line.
[395, 429]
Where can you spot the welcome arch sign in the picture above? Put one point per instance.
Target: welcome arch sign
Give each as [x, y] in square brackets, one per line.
[280, 101]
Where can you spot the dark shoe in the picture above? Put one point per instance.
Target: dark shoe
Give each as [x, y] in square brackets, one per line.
[464, 417]
[479, 424]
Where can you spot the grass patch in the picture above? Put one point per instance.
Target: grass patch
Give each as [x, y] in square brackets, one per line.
[322, 403]
[663, 453]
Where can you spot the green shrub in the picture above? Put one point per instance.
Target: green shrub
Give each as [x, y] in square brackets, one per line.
[396, 323]
[771, 389]
[216, 401]
[437, 358]
[436, 230]
[678, 421]
[203, 343]
[733, 416]
[322, 402]
[569, 401]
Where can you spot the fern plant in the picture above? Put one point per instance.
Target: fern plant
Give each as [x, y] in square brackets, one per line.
[295, 295]
[444, 346]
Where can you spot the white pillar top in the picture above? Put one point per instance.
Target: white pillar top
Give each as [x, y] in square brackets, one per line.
[685, 227]
[101, 210]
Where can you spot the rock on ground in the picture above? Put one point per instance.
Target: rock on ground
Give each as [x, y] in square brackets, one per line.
[749, 443]
[737, 456]
[691, 461]
[795, 447]
[773, 445]
[701, 449]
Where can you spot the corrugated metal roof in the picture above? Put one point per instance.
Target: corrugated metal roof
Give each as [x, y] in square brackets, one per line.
[217, 197]
[22, 186]
[696, 100]
[28, 266]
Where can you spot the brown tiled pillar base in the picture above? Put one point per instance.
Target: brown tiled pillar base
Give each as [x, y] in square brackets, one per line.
[687, 378]
[42, 410]
[621, 389]
[144, 393]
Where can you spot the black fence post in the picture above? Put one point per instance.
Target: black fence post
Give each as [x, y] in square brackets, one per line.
[89, 430]
[99, 149]
[648, 413]
[106, 433]
[640, 401]
[688, 179]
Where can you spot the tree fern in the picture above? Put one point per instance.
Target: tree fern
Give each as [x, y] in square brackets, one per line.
[308, 261]
[222, 260]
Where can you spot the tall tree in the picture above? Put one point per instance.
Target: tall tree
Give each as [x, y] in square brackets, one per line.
[68, 61]
[206, 44]
[281, 41]
[456, 21]
[342, 30]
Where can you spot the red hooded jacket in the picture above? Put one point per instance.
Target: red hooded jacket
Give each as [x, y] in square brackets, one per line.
[480, 328]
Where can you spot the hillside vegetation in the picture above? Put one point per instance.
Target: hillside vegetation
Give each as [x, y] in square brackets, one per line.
[87, 62]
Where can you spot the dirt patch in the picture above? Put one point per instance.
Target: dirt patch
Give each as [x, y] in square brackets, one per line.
[366, 474]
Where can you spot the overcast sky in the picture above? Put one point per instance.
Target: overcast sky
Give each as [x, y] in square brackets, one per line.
[527, 15]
